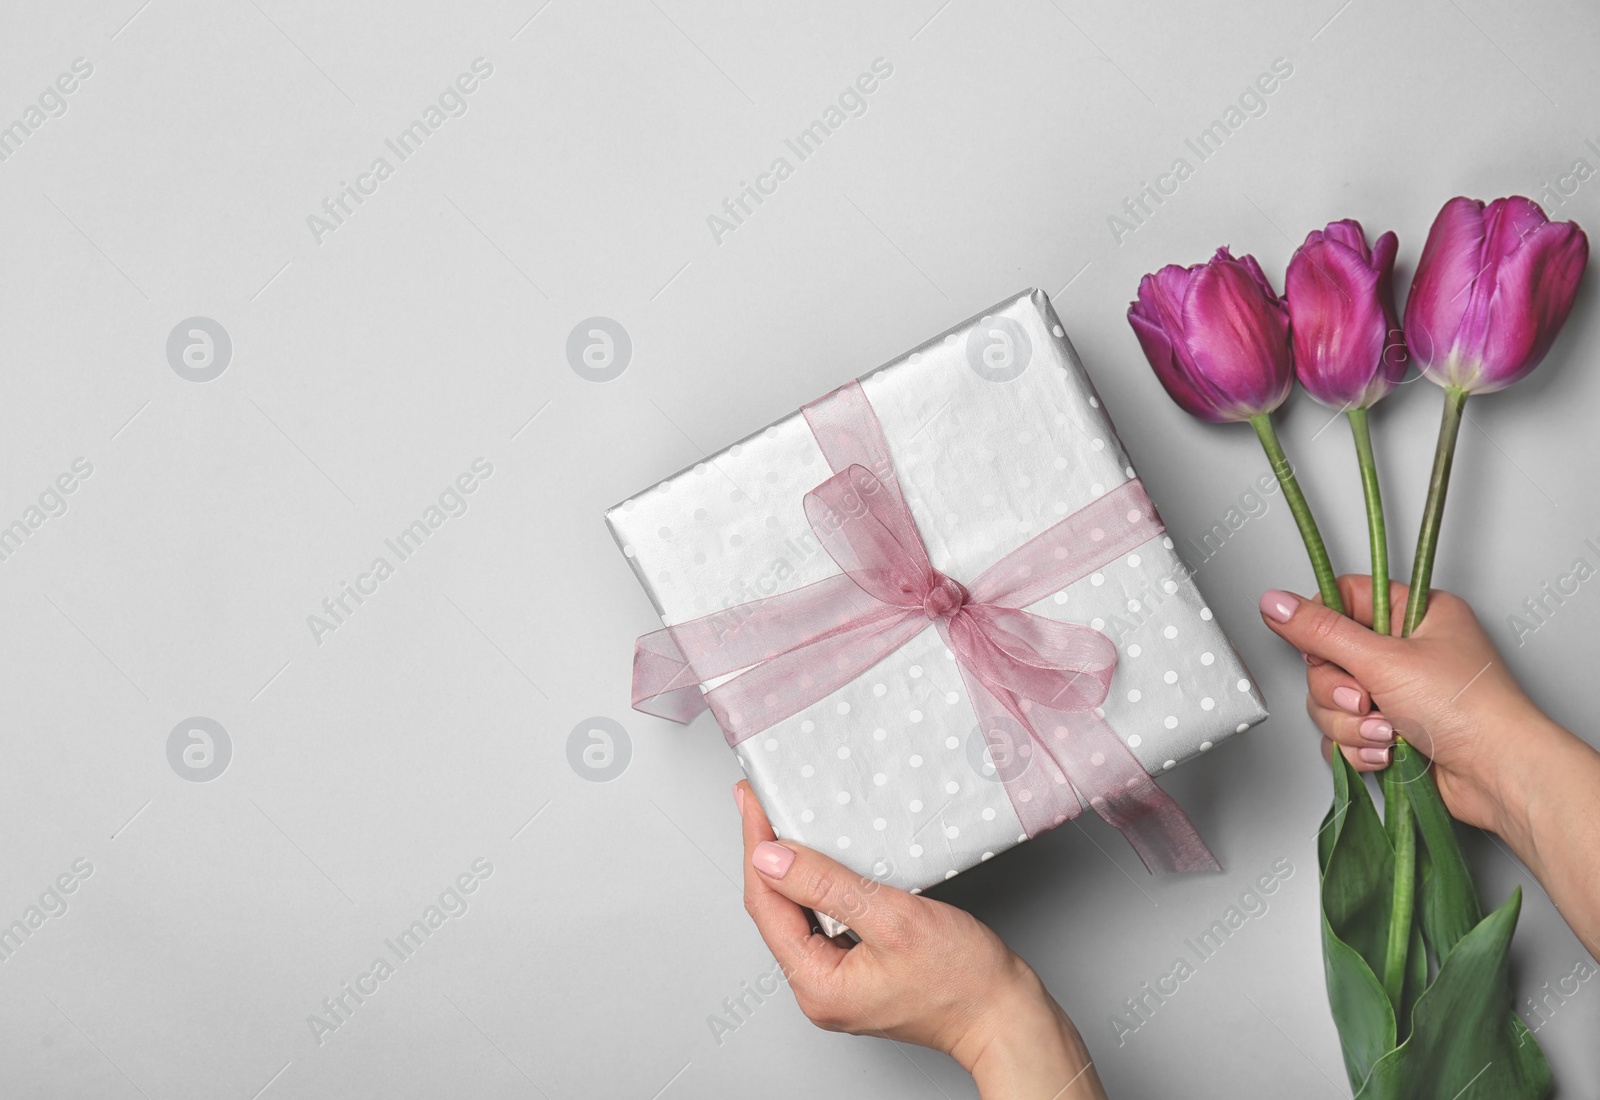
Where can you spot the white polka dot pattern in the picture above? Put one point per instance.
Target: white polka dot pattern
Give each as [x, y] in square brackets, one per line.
[883, 773]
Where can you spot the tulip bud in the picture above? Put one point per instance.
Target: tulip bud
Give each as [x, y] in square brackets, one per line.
[1493, 287]
[1348, 349]
[1217, 336]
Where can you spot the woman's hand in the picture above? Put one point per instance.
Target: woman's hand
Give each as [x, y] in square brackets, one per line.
[1500, 763]
[924, 972]
[1445, 690]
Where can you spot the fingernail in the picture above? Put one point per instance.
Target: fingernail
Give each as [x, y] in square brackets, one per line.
[773, 859]
[738, 798]
[1377, 731]
[1347, 698]
[1278, 606]
[1373, 756]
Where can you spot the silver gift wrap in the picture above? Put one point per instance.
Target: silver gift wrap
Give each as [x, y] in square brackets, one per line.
[996, 433]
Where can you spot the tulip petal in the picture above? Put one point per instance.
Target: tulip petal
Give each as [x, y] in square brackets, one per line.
[1239, 336]
[1157, 320]
[1451, 261]
[1383, 252]
[1349, 233]
[1249, 262]
[1340, 327]
[1161, 298]
[1535, 289]
[1395, 361]
[1506, 223]
[1172, 283]
[1183, 386]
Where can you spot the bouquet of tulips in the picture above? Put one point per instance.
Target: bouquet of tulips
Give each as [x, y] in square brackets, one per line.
[1417, 974]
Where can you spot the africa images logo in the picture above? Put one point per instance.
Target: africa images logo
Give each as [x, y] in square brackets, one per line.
[1252, 103]
[998, 349]
[451, 503]
[340, 1007]
[51, 503]
[199, 749]
[852, 103]
[599, 349]
[52, 903]
[451, 103]
[52, 103]
[199, 349]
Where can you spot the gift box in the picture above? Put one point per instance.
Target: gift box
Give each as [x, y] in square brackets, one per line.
[935, 613]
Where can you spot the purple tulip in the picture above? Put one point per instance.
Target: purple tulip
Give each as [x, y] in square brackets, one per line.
[1348, 349]
[1493, 287]
[1217, 336]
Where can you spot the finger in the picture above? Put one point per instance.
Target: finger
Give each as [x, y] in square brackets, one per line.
[1350, 756]
[1334, 688]
[877, 913]
[1314, 629]
[1356, 589]
[782, 924]
[1372, 731]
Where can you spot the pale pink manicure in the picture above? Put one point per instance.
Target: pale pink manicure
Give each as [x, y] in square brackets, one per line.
[738, 798]
[1378, 731]
[1278, 606]
[772, 859]
[1373, 756]
[1347, 698]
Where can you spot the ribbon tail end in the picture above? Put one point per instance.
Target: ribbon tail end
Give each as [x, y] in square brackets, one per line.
[1164, 837]
[674, 706]
[664, 684]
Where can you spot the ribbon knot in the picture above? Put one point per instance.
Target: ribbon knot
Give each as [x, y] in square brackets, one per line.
[783, 653]
[944, 599]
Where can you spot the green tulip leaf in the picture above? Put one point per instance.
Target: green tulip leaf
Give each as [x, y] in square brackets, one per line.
[1465, 1040]
[1357, 882]
[1416, 977]
[1449, 901]
[1357, 866]
[1360, 1007]
[1326, 836]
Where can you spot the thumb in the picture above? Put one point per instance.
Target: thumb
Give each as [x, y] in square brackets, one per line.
[872, 910]
[1322, 632]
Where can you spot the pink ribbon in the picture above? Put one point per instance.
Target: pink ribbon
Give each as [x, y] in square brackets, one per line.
[1034, 682]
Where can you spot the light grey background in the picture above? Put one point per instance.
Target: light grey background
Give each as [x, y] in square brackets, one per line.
[429, 330]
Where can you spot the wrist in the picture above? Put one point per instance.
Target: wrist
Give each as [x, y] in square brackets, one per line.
[1026, 1046]
[1539, 750]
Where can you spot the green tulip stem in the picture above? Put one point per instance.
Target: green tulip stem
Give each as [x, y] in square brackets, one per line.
[1375, 528]
[1397, 800]
[1455, 402]
[1424, 800]
[1284, 472]
[1396, 804]
[1403, 836]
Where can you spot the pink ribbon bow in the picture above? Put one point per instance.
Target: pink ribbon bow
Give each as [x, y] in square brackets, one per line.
[1034, 682]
